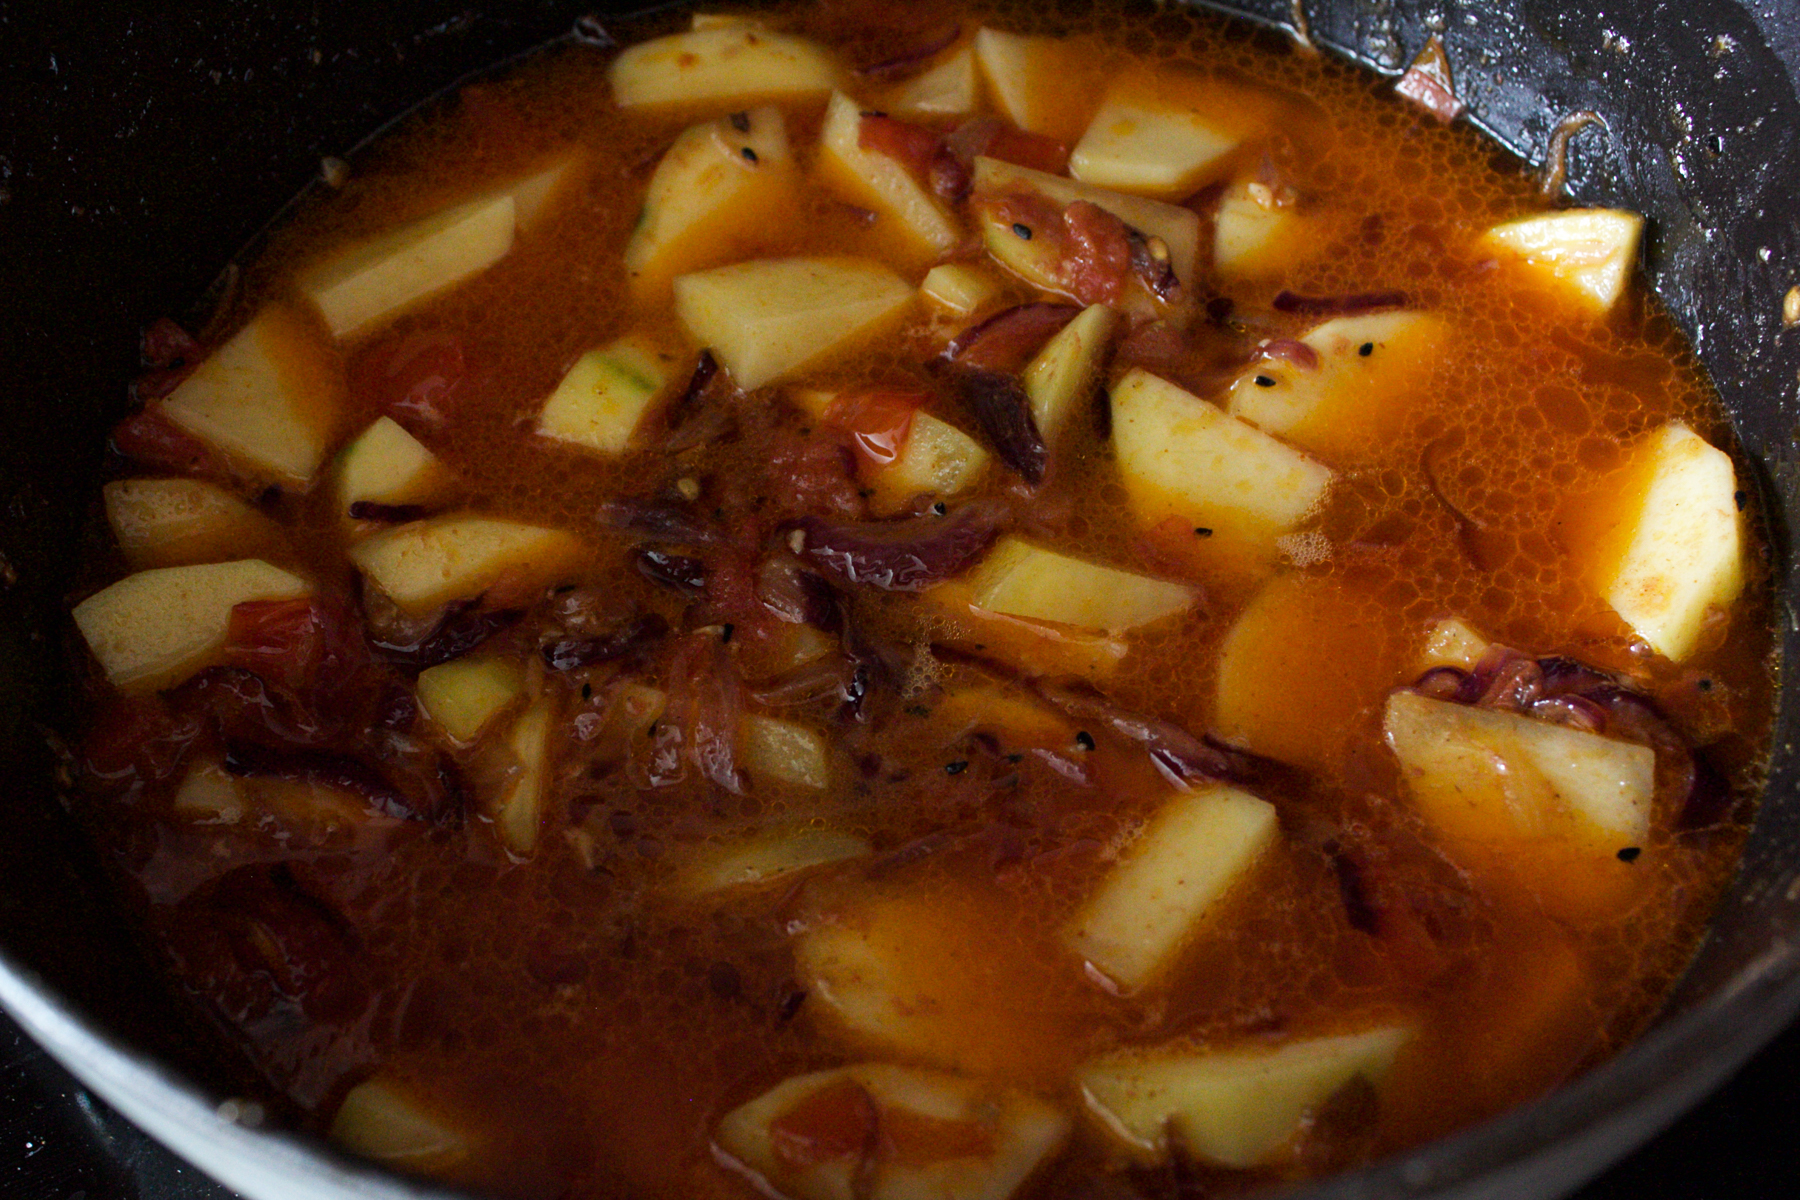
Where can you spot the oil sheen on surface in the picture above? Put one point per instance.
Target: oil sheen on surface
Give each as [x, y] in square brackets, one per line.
[590, 1026]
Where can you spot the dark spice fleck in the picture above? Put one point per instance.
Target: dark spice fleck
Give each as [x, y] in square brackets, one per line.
[1742, 498]
[1085, 740]
[939, 508]
[749, 154]
[917, 710]
[1202, 531]
[1629, 854]
[1705, 685]
[1265, 381]
[587, 691]
[726, 631]
[957, 767]
[1366, 349]
[1015, 758]
[740, 121]
[1022, 230]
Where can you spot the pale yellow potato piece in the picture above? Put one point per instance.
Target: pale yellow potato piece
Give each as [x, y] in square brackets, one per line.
[175, 522]
[425, 564]
[387, 465]
[1178, 227]
[1018, 579]
[383, 1120]
[155, 628]
[542, 192]
[519, 813]
[268, 398]
[605, 396]
[783, 751]
[771, 317]
[705, 196]
[1255, 234]
[1491, 776]
[958, 288]
[211, 795]
[1021, 1131]
[880, 183]
[1673, 552]
[1450, 642]
[728, 64]
[464, 694]
[1151, 147]
[1584, 254]
[951, 88]
[1040, 84]
[364, 286]
[938, 460]
[1182, 457]
[1171, 877]
[1229, 1107]
[766, 857]
[1062, 376]
[1350, 400]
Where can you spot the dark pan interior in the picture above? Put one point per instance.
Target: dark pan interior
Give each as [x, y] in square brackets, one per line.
[139, 153]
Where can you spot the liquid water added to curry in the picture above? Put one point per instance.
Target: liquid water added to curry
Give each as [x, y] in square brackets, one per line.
[556, 875]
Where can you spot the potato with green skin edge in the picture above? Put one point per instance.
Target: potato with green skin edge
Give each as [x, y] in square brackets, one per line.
[387, 465]
[1232, 1108]
[605, 396]
[1018, 579]
[178, 522]
[724, 64]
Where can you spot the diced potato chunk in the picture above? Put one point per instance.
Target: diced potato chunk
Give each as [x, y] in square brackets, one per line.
[425, 564]
[208, 793]
[1450, 642]
[1256, 233]
[771, 317]
[958, 288]
[464, 694]
[1034, 647]
[175, 522]
[766, 857]
[716, 182]
[1039, 84]
[1179, 228]
[538, 194]
[784, 751]
[519, 813]
[1182, 457]
[1018, 579]
[1062, 376]
[1232, 1108]
[1151, 146]
[948, 89]
[730, 64]
[387, 465]
[1370, 368]
[1666, 548]
[944, 1137]
[366, 285]
[383, 1120]
[155, 628]
[878, 182]
[1490, 775]
[1584, 254]
[1174, 874]
[267, 398]
[1017, 718]
[938, 460]
[603, 399]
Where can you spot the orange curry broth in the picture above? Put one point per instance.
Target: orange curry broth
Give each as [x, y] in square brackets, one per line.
[589, 1030]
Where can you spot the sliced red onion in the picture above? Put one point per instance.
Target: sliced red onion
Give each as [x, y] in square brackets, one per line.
[1442, 683]
[1576, 712]
[1336, 306]
[680, 572]
[1709, 798]
[461, 629]
[827, 678]
[318, 767]
[633, 638]
[1182, 758]
[907, 555]
[1002, 408]
[910, 60]
[1353, 890]
[1007, 340]
[1156, 271]
[658, 520]
[1292, 350]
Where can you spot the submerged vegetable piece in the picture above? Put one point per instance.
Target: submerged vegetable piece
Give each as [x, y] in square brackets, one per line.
[1259, 231]
[735, 63]
[1524, 798]
[382, 1119]
[426, 564]
[1231, 1107]
[155, 628]
[717, 184]
[879, 181]
[784, 751]
[364, 286]
[605, 396]
[1039, 83]
[768, 318]
[947, 89]
[765, 858]
[1062, 376]
[388, 466]
[175, 522]
[1665, 548]
[1169, 880]
[1018, 579]
[267, 399]
[1352, 393]
[1583, 254]
[904, 453]
[518, 812]
[891, 1133]
[1450, 642]
[463, 695]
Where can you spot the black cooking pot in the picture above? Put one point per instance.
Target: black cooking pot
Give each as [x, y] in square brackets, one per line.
[140, 151]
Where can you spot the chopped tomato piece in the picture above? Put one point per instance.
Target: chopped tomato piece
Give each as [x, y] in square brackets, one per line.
[151, 439]
[913, 146]
[138, 740]
[1099, 257]
[835, 1122]
[415, 378]
[878, 422]
[1031, 150]
[308, 646]
[912, 1138]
